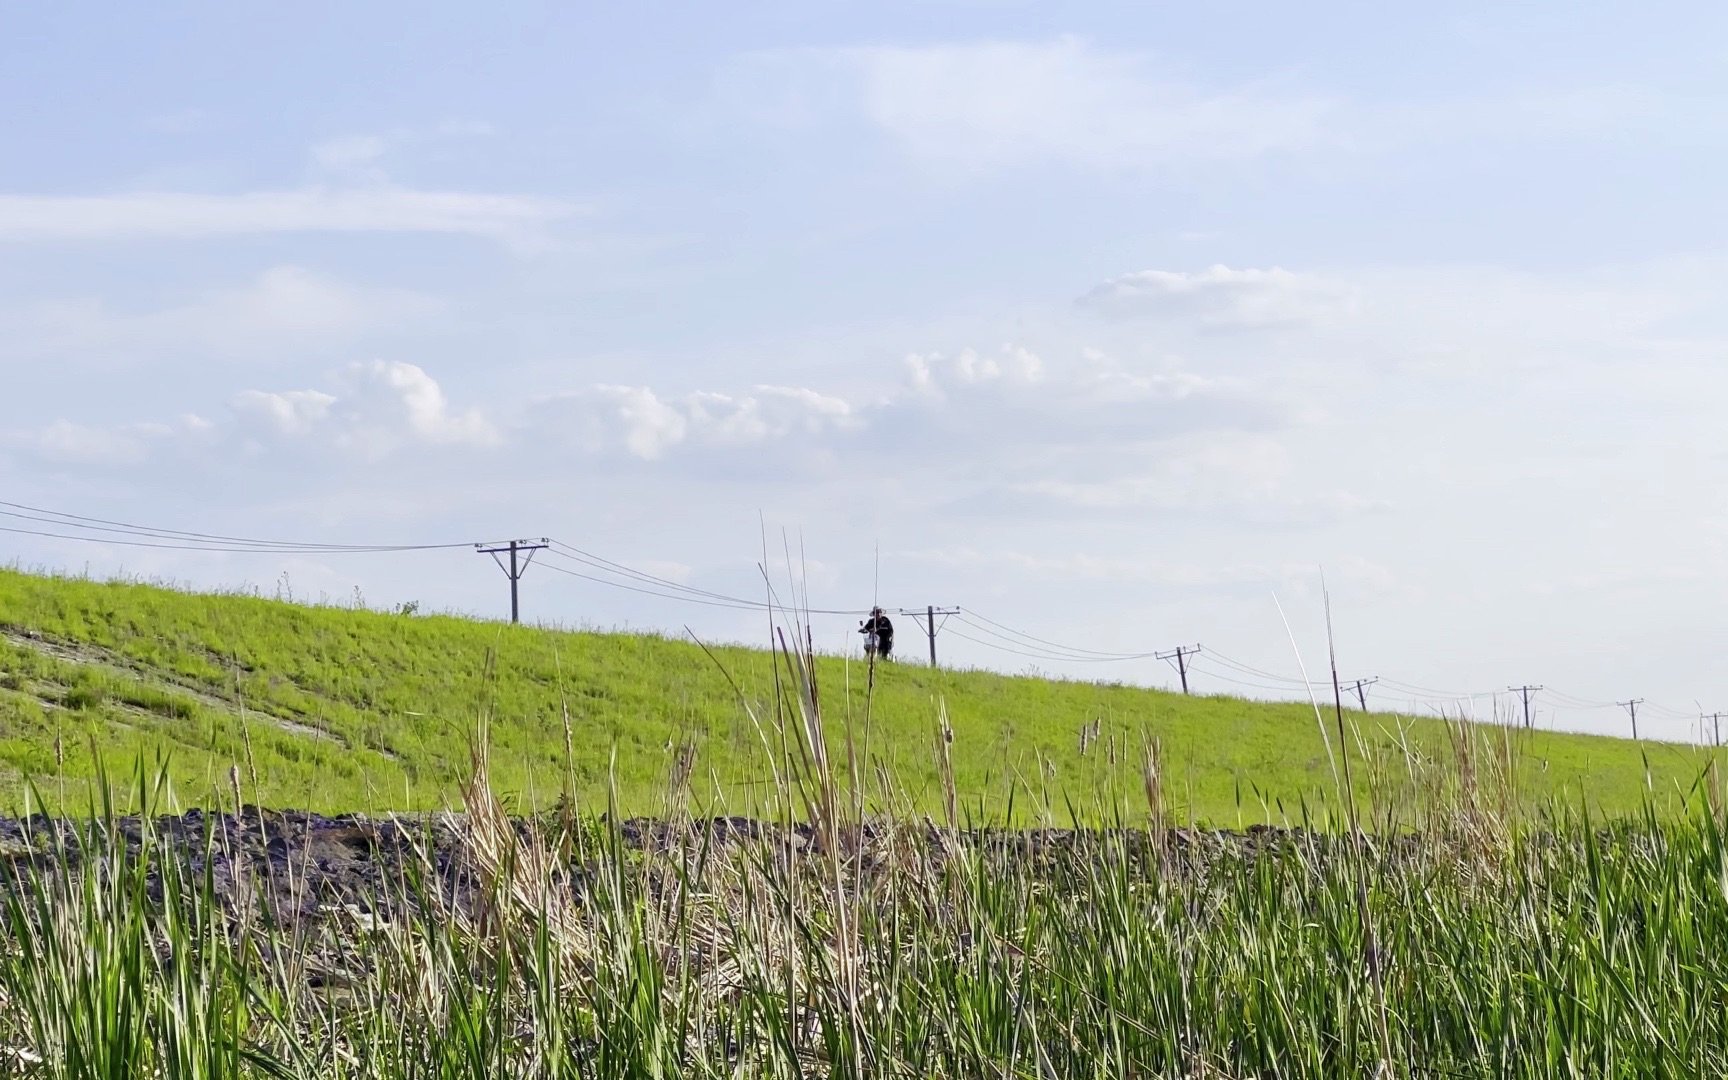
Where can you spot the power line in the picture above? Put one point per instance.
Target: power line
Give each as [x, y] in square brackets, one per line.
[1034, 655]
[1013, 633]
[190, 540]
[1235, 681]
[741, 605]
[577, 555]
[235, 549]
[88, 529]
[1246, 669]
[1437, 693]
[595, 562]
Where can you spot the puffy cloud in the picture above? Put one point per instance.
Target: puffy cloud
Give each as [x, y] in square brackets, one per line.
[383, 406]
[1004, 425]
[397, 401]
[636, 419]
[932, 373]
[1221, 298]
[287, 412]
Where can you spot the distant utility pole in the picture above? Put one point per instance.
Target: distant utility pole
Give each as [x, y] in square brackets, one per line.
[1524, 693]
[1360, 689]
[1631, 707]
[1179, 655]
[516, 567]
[1716, 719]
[926, 621]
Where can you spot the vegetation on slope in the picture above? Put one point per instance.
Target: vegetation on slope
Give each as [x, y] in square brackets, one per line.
[1481, 943]
[336, 709]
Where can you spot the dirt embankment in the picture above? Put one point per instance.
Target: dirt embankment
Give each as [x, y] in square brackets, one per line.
[306, 865]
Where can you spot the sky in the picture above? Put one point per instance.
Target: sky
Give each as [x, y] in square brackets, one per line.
[1124, 326]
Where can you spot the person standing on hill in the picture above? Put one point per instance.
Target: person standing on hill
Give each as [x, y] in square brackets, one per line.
[878, 634]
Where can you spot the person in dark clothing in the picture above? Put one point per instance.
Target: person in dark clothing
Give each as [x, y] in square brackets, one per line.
[878, 634]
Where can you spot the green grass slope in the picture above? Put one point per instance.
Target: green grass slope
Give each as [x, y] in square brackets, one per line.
[335, 709]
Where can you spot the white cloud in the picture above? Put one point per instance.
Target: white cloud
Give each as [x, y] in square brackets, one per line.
[382, 407]
[1006, 426]
[933, 373]
[518, 220]
[1221, 298]
[395, 402]
[980, 105]
[636, 419]
[287, 412]
[988, 402]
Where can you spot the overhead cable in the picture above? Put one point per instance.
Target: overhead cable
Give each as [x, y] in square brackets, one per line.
[996, 635]
[665, 587]
[177, 538]
[1009, 633]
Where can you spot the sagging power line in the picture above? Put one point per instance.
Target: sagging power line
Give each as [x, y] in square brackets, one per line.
[988, 633]
[130, 535]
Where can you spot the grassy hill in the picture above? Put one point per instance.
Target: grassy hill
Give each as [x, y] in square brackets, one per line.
[335, 709]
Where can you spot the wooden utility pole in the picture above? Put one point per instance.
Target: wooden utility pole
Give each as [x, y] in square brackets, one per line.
[926, 621]
[1524, 693]
[1716, 719]
[517, 566]
[1631, 708]
[1179, 656]
[1360, 689]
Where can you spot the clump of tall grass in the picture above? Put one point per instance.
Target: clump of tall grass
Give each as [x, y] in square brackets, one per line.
[824, 939]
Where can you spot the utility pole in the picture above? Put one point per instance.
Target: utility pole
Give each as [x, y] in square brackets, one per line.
[1524, 693]
[517, 566]
[1716, 719]
[928, 623]
[1632, 708]
[1179, 655]
[1360, 689]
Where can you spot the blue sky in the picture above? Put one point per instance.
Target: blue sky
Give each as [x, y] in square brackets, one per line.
[1110, 322]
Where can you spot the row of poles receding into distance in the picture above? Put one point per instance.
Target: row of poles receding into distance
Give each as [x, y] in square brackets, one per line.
[515, 556]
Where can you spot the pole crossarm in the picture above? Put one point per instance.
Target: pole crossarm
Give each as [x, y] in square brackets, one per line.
[516, 567]
[1631, 708]
[926, 620]
[1179, 657]
[1360, 689]
[1525, 693]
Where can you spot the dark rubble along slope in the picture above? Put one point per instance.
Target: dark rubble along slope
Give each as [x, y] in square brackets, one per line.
[303, 864]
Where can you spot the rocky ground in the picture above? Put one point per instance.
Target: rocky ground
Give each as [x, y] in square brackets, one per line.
[305, 864]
